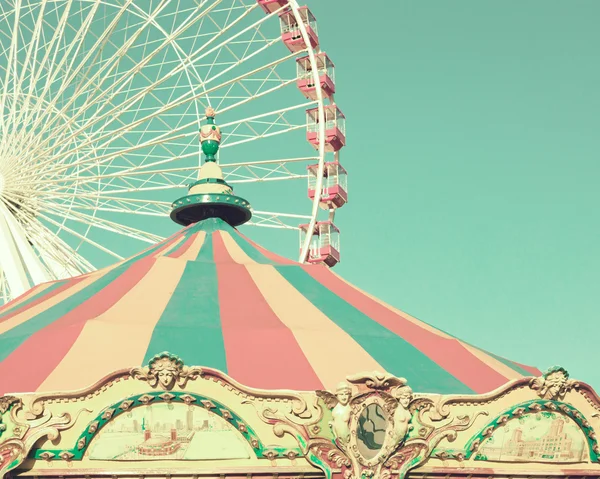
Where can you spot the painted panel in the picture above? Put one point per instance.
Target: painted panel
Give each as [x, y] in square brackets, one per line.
[168, 431]
[542, 437]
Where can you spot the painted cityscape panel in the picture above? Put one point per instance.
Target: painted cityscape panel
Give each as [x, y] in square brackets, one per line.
[169, 431]
[542, 437]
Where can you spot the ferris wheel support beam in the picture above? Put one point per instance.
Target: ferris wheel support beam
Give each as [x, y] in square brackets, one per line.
[19, 263]
[60, 259]
[38, 214]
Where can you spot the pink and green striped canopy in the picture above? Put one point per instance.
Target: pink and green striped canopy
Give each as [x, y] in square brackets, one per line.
[216, 299]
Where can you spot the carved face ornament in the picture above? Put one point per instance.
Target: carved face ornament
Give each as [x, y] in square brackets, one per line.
[166, 372]
[404, 396]
[555, 382]
[343, 393]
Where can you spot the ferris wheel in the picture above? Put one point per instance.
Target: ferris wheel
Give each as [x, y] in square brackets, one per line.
[100, 105]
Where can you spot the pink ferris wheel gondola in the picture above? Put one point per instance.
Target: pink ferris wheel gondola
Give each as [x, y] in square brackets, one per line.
[335, 128]
[291, 34]
[334, 191]
[306, 81]
[270, 6]
[324, 244]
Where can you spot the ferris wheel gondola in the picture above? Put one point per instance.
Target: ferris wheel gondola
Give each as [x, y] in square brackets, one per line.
[100, 106]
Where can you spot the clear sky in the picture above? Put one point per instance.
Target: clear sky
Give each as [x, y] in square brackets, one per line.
[473, 141]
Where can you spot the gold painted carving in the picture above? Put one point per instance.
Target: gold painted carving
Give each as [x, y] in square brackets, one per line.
[339, 403]
[397, 449]
[165, 370]
[27, 432]
[6, 402]
[554, 384]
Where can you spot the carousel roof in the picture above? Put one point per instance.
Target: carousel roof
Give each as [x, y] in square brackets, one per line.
[211, 296]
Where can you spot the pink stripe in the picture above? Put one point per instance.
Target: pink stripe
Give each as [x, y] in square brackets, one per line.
[447, 353]
[21, 298]
[182, 249]
[54, 341]
[163, 244]
[70, 283]
[254, 334]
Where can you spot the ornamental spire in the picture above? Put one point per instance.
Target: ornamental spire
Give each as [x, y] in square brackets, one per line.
[210, 136]
[210, 196]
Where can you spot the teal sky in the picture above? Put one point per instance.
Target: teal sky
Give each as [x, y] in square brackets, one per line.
[473, 167]
[472, 153]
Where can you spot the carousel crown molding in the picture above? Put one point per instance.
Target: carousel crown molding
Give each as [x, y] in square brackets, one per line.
[371, 426]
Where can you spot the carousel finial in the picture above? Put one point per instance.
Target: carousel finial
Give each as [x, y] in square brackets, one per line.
[209, 112]
[210, 136]
[210, 196]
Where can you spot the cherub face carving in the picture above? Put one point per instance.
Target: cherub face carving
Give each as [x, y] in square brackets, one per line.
[343, 393]
[555, 382]
[404, 396]
[166, 377]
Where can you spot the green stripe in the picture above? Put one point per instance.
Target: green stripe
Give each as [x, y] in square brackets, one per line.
[209, 226]
[13, 338]
[190, 326]
[396, 355]
[507, 362]
[35, 297]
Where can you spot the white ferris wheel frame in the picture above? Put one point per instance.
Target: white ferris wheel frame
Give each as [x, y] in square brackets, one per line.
[19, 263]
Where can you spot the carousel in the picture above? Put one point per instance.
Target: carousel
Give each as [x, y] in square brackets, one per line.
[208, 356]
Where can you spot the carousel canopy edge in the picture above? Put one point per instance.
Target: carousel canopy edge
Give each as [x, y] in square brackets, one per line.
[194, 420]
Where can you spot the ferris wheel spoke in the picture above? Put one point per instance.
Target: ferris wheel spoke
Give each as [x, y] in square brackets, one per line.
[140, 94]
[141, 178]
[113, 61]
[99, 113]
[102, 223]
[59, 258]
[268, 219]
[115, 204]
[170, 138]
[9, 65]
[100, 43]
[51, 249]
[109, 136]
[63, 227]
[52, 48]
[80, 236]
[75, 44]
[262, 126]
[32, 47]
